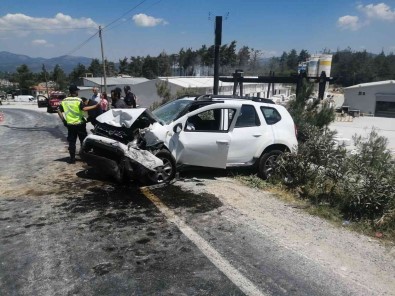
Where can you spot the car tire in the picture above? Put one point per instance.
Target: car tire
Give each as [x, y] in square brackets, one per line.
[166, 172]
[267, 163]
[120, 174]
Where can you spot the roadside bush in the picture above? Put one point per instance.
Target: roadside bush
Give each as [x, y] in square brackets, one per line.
[317, 167]
[369, 190]
[360, 185]
[307, 111]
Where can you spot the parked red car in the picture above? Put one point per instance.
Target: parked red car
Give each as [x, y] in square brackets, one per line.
[55, 98]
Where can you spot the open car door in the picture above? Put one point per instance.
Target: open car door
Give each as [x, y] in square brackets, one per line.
[42, 101]
[201, 137]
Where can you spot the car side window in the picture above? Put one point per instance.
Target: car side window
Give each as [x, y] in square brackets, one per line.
[214, 120]
[271, 115]
[248, 117]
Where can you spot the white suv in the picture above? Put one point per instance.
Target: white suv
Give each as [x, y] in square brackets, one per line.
[205, 131]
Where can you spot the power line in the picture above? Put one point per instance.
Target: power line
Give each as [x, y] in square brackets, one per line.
[46, 29]
[114, 21]
[130, 10]
[113, 27]
[91, 37]
[78, 28]
[82, 44]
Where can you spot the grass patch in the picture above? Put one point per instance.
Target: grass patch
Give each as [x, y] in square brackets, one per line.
[278, 189]
[325, 211]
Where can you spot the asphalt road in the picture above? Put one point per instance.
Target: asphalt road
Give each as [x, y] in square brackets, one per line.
[69, 230]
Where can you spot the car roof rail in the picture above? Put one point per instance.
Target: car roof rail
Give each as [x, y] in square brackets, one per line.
[188, 96]
[209, 97]
[230, 97]
[262, 100]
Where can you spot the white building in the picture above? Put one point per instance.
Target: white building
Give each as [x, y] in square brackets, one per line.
[376, 98]
[147, 94]
[112, 82]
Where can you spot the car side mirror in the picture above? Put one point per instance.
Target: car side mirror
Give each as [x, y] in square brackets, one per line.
[177, 128]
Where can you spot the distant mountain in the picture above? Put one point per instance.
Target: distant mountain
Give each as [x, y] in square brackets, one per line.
[10, 61]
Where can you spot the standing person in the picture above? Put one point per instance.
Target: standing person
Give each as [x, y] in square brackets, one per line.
[71, 113]
[112, 98]
[130, 98]
[117, 102]
[104, 102]
[92, 113]
[96, 95]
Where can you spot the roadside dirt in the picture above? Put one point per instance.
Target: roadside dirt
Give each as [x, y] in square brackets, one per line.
[358, 259]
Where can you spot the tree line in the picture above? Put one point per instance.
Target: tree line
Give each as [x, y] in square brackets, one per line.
[348, 67]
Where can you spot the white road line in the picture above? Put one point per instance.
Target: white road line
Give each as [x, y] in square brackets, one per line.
[221, 263]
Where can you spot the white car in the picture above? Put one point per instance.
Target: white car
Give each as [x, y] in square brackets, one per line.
[205, 131]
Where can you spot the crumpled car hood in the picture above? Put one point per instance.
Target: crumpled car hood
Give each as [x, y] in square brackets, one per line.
[154, 131]
[121, 117]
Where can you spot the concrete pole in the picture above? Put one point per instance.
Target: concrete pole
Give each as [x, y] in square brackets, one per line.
[103, 61]
[217, 44]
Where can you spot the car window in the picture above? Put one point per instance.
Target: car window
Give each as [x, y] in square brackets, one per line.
[248, 117]
[271, 115]
[214, 120]
[170, 111]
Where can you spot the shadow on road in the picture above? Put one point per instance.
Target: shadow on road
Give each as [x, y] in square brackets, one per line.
[63, 159]
[195, 173]
[210, 173]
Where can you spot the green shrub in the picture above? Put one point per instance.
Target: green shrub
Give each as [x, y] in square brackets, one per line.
[307, 112]
[317, 166]
[369, 190]
[361, 185]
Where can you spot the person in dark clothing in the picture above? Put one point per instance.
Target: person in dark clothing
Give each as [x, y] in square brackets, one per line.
[117, 102]
[93, 113]
[130, 98]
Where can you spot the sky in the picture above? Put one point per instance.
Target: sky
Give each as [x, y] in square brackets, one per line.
[52, 28]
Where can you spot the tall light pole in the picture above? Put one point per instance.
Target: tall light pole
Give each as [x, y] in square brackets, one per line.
[217, 44]
[103, 61]
[46, 80]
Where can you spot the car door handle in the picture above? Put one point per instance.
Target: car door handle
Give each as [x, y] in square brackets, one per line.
[226, 142]
[257, 135]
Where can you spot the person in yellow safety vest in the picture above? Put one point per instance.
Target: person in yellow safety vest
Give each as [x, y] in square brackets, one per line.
[71, 113]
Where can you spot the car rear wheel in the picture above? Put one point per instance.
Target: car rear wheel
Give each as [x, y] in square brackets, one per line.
[267, 163]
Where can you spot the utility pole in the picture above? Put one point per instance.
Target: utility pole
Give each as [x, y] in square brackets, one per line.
[217, 44]
[270, 85]
[46, 80]
[103, 61]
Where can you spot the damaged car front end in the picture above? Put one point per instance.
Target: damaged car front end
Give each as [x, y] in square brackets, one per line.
[125, 145]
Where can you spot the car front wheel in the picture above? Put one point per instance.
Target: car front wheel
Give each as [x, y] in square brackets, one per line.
[120, 176]
[267, 163]
[167, 171]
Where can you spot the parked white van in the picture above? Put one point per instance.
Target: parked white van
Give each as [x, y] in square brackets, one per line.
[24, 98]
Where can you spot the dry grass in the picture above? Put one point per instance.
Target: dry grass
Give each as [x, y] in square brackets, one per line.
[332, 215]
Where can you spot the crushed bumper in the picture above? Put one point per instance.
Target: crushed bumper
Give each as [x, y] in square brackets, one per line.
[112, 157]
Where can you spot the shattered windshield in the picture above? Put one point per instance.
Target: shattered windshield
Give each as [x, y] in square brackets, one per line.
[170, 111]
